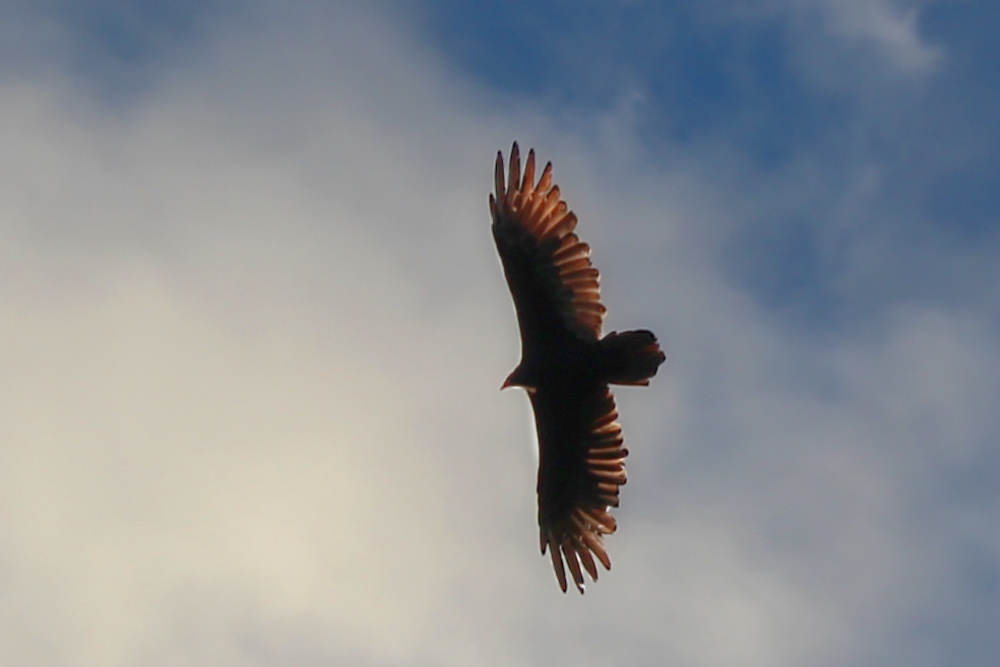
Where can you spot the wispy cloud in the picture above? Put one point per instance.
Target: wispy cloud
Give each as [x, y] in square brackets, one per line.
[892, 30]
[253, 332]
[886, 33]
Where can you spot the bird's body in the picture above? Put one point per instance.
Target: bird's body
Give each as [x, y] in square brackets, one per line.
[566, 366]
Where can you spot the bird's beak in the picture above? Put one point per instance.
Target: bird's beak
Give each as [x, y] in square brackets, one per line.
[511, 381]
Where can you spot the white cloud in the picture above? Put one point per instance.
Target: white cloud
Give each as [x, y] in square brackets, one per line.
[850, 44]
[253, 334]
[225, 397]
[892, 30]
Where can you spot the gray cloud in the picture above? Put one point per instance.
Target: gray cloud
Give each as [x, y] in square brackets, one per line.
[253, 333]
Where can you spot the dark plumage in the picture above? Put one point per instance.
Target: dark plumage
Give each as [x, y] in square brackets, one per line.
[566, 366]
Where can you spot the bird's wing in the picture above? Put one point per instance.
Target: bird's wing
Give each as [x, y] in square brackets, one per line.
[554, 285]
[581, 466]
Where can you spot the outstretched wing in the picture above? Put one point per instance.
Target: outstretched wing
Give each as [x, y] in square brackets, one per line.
[582, 464]
[548, 269]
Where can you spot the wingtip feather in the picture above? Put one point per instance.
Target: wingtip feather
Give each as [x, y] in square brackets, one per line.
[569, 551]
[545, 181]
[557, 565]
[583, 551]
[514, 180]
[528, 180]
[498, 181]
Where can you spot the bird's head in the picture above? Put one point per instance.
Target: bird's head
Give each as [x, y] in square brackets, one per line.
[517, 379]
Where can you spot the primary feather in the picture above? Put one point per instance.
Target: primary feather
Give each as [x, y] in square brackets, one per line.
[566, 366]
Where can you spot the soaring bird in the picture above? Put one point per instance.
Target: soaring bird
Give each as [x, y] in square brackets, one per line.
[566, 366]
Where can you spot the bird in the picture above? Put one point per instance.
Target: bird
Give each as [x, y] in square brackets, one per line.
[566, 366]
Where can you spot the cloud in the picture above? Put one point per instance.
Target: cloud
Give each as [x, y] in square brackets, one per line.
[892, 30]
[849, 46]
[253, 332]
[230, 402]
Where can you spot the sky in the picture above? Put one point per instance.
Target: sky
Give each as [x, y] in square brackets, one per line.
[253, 327]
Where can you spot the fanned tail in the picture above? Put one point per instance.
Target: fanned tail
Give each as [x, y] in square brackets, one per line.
[631, 357]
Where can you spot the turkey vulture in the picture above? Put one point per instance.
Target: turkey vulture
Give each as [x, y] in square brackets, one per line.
[566, 366]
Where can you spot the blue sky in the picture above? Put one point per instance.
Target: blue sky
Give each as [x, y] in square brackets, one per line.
[254, 328]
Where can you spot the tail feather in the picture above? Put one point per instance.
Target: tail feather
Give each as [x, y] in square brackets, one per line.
[631, 357]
